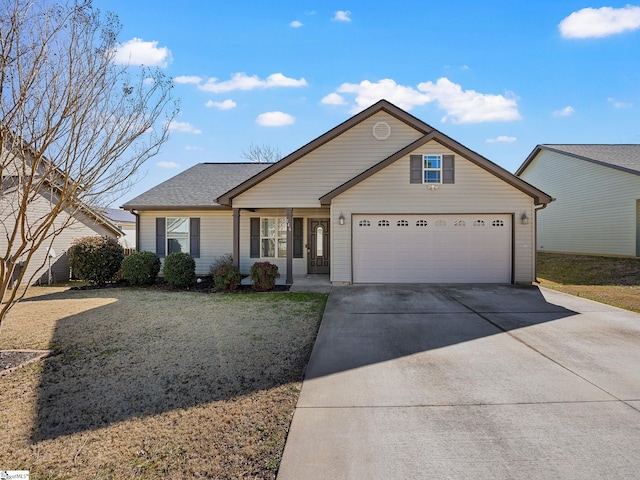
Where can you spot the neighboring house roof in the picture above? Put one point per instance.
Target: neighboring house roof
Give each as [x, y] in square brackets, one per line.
[118, 215]
[625, 157]
[11, 139]
[197, 187]
[429, 133]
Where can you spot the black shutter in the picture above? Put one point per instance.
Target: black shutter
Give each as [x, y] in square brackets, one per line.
[415, 169]
[448, 169]
[254, 238]
[194, 237]
[161, 241]
[298, 238]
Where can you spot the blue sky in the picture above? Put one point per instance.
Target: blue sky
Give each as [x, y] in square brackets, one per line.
[500, 77]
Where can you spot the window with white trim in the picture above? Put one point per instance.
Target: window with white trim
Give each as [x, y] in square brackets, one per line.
[273, 237]
[177, 234]
[432, 168]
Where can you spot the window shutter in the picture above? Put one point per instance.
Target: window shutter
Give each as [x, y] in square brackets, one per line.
[448, 169]
[194, 237]
[161, 232]
[254, 238]
[415, 169]
[298, 238]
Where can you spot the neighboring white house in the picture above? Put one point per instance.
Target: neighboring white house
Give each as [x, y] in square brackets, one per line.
[597, 192]
[49, 261]
[126, 222]
[381, 198]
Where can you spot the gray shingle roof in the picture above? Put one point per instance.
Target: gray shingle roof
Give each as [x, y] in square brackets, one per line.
[118, 215]
[623, 156]
[196, 187]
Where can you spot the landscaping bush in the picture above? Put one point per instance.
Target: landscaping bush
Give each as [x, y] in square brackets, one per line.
[226, 259]
[227, 277]
[95, 259]
[179, 270]
[263, 276]
[141, 268]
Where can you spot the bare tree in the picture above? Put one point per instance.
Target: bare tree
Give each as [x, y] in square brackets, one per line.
[74, 126]
[262, 154]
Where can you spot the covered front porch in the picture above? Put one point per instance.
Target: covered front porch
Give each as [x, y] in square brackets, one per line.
[297, 240]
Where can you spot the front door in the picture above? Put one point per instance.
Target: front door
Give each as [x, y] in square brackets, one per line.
[318, 246]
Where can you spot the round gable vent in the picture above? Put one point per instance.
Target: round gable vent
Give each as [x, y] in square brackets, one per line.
[381, 131]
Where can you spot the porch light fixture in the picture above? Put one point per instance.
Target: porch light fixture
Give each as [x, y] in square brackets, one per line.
[341, 219]
[524, 219]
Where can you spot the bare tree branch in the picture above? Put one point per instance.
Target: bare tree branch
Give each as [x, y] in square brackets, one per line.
[74, 127]
[262, 154]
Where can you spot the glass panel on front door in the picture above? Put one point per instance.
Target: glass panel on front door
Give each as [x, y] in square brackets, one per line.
[319, 241]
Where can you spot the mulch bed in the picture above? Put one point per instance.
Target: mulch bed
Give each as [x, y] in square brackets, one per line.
[13, 359]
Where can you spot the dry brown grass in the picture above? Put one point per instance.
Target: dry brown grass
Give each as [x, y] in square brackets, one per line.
[151, 384]
[610, 280]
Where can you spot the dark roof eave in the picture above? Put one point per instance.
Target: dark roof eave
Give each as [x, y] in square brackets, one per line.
[173, 207]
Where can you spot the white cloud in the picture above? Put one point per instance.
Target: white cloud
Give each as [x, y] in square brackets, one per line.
[564, 112]
[275, 119]
[149, 81]
[342, 16]
[501, 139]
[241, 81]
[368, 93]
[617, 104]
[333, 99]
[191, 148]
[469, 106]
[138, 52]
[296, 24]
[184, 127]
[224, 105]
[600, 22]
[193, 79]
[167, 164]
[461, 106]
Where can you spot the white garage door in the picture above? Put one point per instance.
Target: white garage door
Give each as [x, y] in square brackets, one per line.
[431, 248]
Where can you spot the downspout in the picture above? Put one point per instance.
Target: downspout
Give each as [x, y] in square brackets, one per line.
[135, 214]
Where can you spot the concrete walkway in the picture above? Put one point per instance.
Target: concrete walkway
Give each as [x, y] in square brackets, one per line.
[468, 382]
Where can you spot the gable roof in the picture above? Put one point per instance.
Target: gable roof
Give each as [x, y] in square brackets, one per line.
[625, 157]
[380, 106]
[538, 196]
[196, 187]
[23, 149]
[119, 216]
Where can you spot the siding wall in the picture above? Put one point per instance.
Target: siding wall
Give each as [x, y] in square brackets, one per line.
[474, 191]
[303, 182]
[80, 226]
[595, 210]
[216, 235]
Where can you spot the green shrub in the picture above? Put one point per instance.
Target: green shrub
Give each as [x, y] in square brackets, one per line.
[141, 268]
[179, 270]
[95, 259]
[227, 278]
[226, 259]
[263, 276]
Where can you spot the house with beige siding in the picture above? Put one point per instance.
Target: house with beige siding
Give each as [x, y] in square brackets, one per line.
[381, 198]
[597, 198]
[48, 262]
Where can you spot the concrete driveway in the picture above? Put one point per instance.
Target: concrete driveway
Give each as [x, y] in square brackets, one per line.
[468, 382]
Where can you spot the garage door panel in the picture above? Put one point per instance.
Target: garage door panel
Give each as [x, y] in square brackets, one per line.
[432, 249]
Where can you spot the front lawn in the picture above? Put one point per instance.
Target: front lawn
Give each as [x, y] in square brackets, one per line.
[614, 281]
[144, 383]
